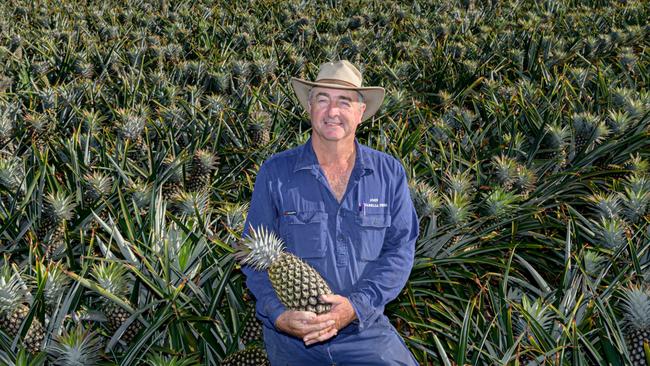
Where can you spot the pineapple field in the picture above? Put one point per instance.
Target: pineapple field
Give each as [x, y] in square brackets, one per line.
[131, 133]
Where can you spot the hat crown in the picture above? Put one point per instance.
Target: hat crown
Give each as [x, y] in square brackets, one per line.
[339, 72]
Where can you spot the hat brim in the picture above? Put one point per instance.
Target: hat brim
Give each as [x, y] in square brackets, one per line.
[373, 96]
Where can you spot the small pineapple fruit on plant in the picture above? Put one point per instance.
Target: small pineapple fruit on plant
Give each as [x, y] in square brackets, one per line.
[201, 167]
[250, 356]
[636, 323]
[14, 310]
[75, 347]
[57, 208]
[425, 199]
[259, 125]
[296, 283]
[113, 278]
[40, 127]
[173, 184]
[131, 129]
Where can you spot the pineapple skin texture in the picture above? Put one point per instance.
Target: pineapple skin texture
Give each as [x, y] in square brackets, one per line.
[298, 285]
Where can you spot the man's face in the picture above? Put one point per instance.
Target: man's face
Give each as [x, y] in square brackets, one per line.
[335, 113]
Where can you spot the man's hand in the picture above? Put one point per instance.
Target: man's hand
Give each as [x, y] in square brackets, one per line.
[301, 323]
[341, 314]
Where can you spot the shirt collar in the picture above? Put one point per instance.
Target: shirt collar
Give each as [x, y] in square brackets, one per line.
[307, 158]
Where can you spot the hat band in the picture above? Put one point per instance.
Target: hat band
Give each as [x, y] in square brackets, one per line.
[336, 81]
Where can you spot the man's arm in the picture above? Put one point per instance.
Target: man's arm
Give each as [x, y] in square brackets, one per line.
[262, 212]
[272, 312]
[384, 278]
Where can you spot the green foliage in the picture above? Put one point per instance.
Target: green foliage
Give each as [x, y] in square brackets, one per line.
[131, 134]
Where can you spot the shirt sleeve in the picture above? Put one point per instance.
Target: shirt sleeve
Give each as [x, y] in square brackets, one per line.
[385, 277]
[262, 212]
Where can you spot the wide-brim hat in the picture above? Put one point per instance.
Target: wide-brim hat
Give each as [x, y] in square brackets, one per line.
[340, 75]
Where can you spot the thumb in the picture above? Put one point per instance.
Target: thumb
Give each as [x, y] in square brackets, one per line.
[330, 298]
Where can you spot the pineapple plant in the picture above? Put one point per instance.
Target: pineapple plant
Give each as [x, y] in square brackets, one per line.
[296, 283]
[425, 199]
[131, 128]
[201, 167]
[173, 184]
[57, 208]
[14, 310]
[251, 356]
[113, 278]
[76, 347]
[259, 125]
[97, 186]
[636, 323]
[40, 127]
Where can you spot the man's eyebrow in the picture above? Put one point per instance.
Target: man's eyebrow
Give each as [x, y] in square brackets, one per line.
[342, 97]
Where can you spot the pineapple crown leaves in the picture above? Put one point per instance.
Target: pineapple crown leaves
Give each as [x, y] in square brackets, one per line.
[610, 233]
[59, 206]
[235, 215]
[638, 165]
[425, 198]
[459, 184]
[456, 209]
[499, 202]
[593, 262]
[606, 206]
[532, 312]
[635, 303]
[11, 173]
[140, 194]
[259, 249]
[55, 284]
[112, 277]
[504, 168]
[192, 203]
[204, 161]
[589, 128]
[556, 135]
[98, 182]
[78, 347]
[12, 288]
[132, 122]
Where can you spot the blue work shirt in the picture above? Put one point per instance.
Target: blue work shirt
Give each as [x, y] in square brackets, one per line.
[363, 246]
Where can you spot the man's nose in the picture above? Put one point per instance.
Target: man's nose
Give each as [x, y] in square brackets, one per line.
[332, 110]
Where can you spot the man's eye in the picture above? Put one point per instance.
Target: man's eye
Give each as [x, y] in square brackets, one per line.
[345, 104]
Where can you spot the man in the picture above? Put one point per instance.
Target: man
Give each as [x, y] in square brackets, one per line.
[345, 209]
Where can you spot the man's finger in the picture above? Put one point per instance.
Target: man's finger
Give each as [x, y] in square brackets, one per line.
[313, 327]
[322, 336]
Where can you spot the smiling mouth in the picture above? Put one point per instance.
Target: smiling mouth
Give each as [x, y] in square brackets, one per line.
[333, 123]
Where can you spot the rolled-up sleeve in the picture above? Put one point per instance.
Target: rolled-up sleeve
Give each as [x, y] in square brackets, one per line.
[385, 277]
[262, 212]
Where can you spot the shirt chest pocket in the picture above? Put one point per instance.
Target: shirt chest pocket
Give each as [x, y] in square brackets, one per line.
[304, 233]
[371, 230]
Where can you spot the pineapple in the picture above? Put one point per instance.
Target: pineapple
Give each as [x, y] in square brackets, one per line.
[40, 127]
[636, 322]
[201, 168]
[96, 187]
[258, 128]
[425, 199]
[252, 331]
[192, 203]
[113, 278]
[296, 283]
[56, 209]
[131, 129]
[14, 311]
[588, 129]
[253, 356]
[173, 183]
[11, 177]
[76, 347]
